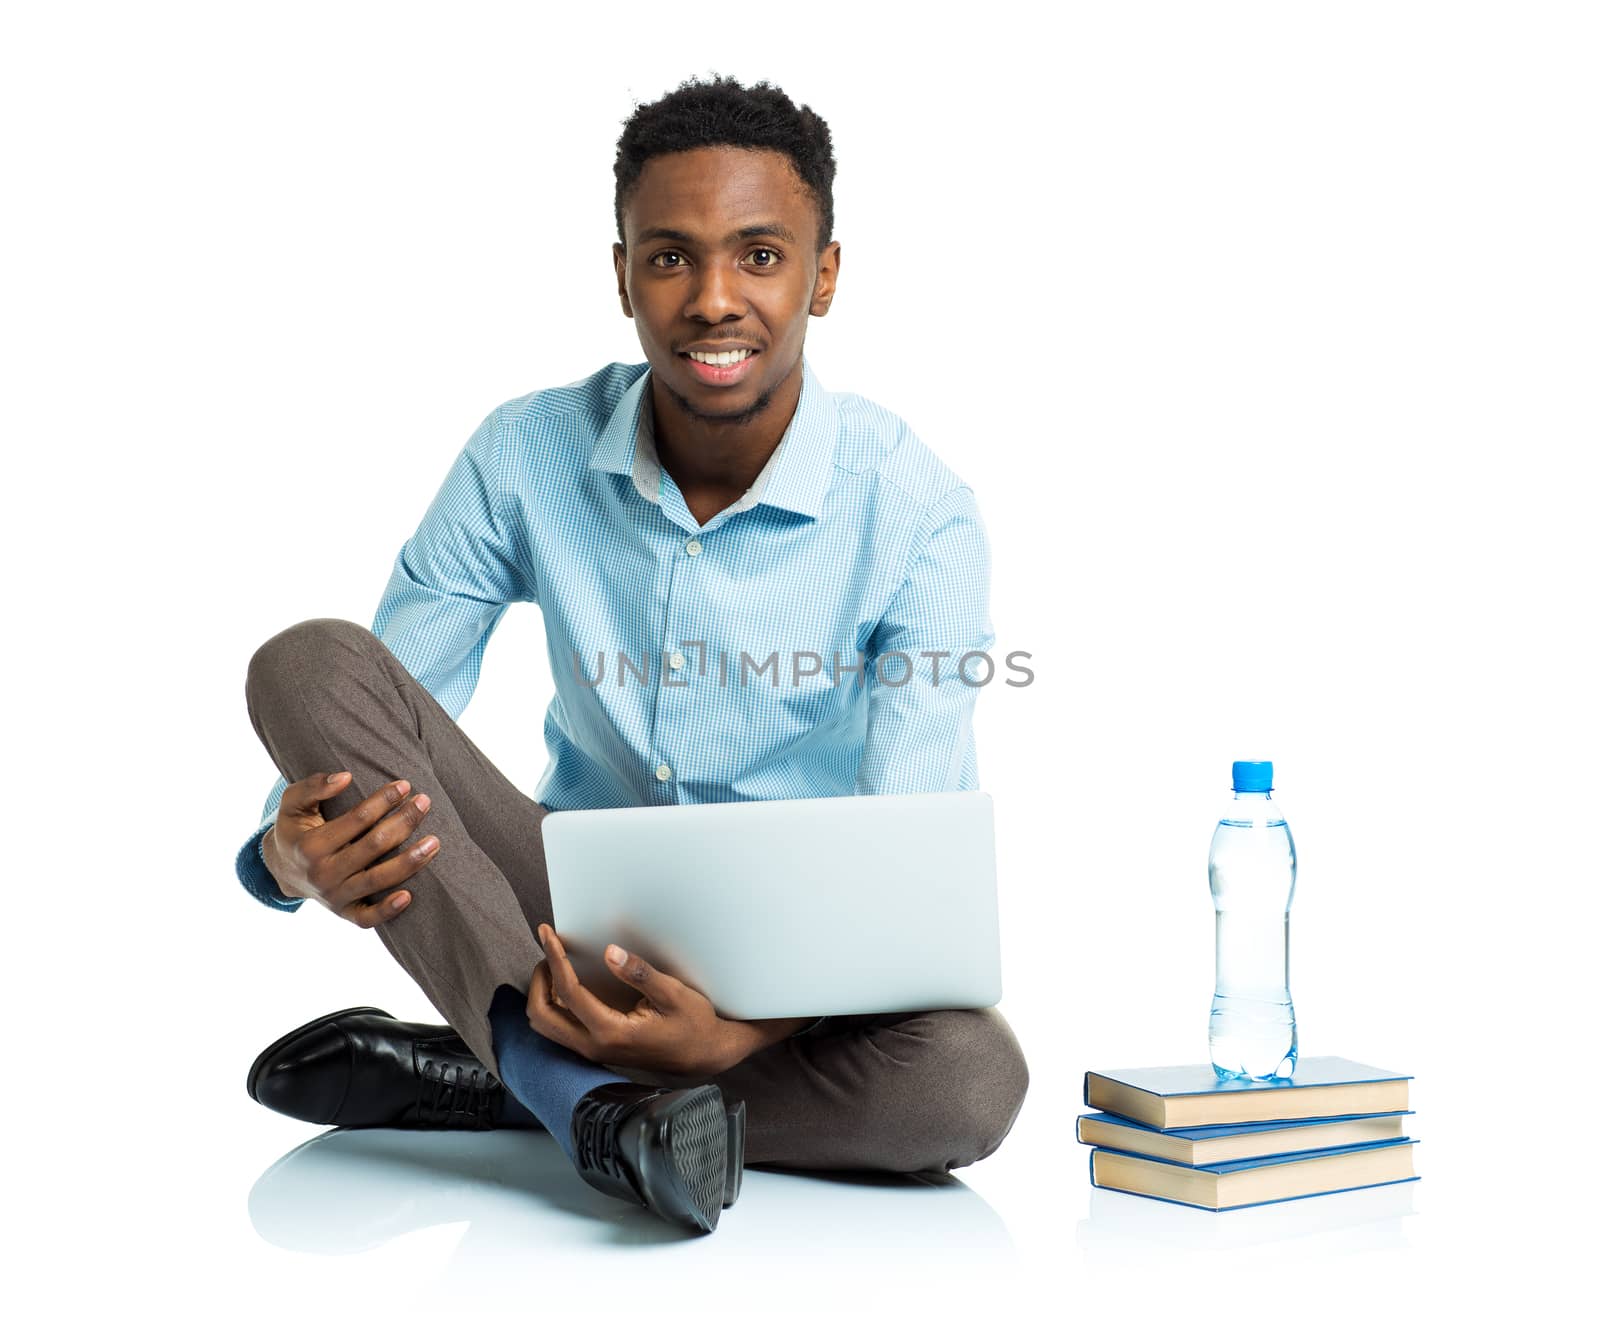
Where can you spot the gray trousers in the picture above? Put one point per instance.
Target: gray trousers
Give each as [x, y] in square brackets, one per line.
[928, 1090]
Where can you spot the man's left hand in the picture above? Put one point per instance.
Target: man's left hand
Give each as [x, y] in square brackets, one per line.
[671, 1028]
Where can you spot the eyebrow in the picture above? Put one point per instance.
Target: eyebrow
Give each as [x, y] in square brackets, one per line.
[777, 229]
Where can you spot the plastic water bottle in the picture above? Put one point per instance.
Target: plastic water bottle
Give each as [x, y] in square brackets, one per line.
[1252, 886]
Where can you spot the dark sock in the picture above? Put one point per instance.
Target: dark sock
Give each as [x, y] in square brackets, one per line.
[514, 1116]
[543, 1076]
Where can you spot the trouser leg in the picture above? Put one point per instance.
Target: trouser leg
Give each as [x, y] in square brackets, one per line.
[926, 1091]
[905, 1092]
[327, 695]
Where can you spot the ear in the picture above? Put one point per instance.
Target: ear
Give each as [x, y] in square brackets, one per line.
[827, 279]
[619, 259]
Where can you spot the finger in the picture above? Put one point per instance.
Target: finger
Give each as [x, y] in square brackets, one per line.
[349, 827]
[377, 882]
[390, 834]
[663, 991]
[571, 1029]
[366, 915]
[598, 1018]
[301, 798]
[554, 1023]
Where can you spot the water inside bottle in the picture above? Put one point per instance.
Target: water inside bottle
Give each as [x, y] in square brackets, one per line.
[1253, 1033]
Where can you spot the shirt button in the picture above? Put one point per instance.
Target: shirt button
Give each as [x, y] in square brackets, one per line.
[692, 548]
[677, 660]
[663, 772]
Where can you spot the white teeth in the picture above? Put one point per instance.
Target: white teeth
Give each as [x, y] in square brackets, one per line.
[719, 358]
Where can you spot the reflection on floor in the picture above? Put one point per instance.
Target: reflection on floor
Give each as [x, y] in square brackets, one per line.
[349, 1191]
[1132, 1227]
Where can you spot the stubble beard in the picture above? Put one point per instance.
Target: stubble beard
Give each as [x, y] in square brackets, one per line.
[743, 417]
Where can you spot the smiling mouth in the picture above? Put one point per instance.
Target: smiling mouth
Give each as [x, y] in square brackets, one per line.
[720, 368]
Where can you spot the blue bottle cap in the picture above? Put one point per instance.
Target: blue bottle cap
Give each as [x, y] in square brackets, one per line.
[1252, 777]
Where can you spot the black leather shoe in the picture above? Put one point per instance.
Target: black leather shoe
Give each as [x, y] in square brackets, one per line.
[667, 1149]
[363, 1067]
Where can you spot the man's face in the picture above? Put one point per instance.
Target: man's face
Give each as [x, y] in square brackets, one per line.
[722, 255]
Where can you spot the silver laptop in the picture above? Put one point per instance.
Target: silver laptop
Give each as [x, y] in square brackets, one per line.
[787, 907]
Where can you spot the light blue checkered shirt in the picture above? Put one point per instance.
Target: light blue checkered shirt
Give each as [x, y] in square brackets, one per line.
[747, 658]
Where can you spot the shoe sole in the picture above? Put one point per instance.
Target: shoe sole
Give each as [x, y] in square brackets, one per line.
[685, 1169]
[735, 1174]
[260, 1063]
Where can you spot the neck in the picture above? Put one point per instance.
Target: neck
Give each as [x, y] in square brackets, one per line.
[721, 455]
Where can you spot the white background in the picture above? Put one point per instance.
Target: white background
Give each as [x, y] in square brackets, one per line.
[1266, 335]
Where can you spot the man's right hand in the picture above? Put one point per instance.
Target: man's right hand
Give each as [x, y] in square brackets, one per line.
[335, 862]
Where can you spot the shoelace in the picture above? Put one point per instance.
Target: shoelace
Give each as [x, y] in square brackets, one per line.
[596, 1137]
[444, 1097]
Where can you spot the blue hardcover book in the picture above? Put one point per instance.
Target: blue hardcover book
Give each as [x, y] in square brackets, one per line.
[1251, 1181]
[1194, 1145]
[1168, 1097]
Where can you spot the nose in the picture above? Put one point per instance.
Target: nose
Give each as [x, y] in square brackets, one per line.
[714, 296]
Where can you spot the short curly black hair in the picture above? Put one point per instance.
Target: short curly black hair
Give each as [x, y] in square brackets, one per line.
[723, 112]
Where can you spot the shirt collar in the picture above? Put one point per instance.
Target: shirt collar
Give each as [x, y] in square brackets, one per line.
[796, 476]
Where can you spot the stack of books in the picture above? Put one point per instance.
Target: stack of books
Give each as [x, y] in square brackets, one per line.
[1179, 1133]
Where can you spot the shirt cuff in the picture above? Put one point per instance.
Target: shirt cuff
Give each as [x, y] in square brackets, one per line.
[251, 869]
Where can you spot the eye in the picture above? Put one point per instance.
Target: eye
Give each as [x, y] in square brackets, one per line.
[666, 253]
[772, 254]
